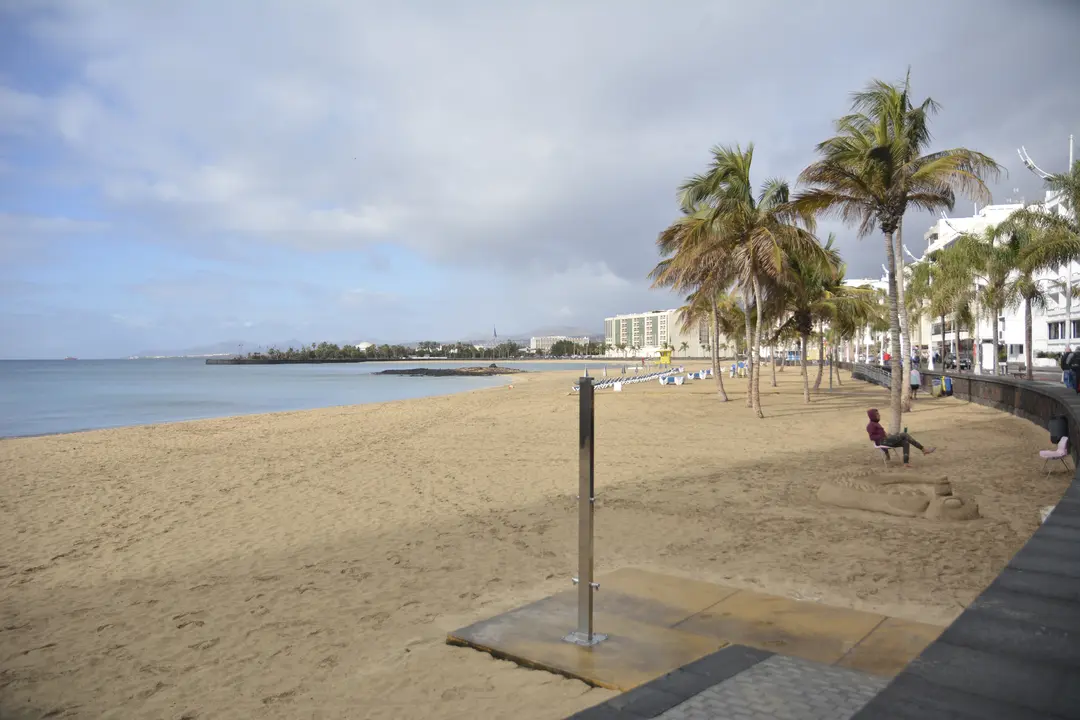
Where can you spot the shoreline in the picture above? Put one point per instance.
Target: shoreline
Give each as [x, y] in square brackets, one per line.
[521, 378]
[549, 366]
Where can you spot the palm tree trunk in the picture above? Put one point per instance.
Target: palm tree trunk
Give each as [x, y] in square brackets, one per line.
[820, 355]
[905, 326]
[715, 353]
[804, 339]
[942, 342]
[896, 382]
[747, 343]
[838, 382]
[772, 361]
[976, 346]
[996, 332]
[1027, 338]
[756, 376]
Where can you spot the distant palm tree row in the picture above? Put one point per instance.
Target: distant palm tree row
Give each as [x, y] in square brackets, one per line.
[750, 261]
[330, 352]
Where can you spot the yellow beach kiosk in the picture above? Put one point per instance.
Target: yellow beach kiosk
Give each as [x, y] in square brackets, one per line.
[665, 356]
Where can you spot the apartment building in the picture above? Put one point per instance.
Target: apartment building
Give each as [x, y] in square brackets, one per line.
[1053, 328]
[645, 334]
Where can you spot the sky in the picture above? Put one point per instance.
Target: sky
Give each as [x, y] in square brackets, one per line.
[176, 174]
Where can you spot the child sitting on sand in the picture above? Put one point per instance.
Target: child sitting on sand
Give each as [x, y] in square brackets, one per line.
[879, 437]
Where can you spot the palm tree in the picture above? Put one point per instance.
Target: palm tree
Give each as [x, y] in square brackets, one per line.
[724, 315]
[684, 347]
[1039, 245]
[875, 168]
[758, 230]
[696, 258]
[1067, 186]
[991, 257]
[815, 294]
[943, 287]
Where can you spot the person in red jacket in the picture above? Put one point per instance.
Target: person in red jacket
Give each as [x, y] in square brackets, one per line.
[879, 437]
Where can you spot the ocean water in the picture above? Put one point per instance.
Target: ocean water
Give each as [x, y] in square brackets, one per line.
[40, 397]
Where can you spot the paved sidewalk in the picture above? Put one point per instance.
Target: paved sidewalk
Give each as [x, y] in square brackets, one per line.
[743, 683]
[782, 688]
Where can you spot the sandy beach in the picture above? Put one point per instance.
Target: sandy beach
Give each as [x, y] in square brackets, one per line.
[309, 564]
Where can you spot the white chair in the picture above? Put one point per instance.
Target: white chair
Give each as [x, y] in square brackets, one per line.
[1059, 454]
[885, 452]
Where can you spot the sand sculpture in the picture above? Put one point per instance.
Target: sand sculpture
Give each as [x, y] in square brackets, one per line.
[899, 493]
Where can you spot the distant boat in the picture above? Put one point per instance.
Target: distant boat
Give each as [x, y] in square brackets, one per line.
[71, 358]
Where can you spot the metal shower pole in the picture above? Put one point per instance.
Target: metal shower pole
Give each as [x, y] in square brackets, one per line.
[584, 634]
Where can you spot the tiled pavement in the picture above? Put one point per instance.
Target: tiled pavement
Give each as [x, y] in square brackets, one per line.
[742, 683]
[783, 688]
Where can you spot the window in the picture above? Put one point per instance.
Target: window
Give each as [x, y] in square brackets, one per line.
[1001, 324]
[1075, 329]
[1016, 349]
[1056, 330]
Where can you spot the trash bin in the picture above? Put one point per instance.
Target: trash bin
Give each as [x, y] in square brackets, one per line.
[935, 387]
[946, 384]
[1059, 428]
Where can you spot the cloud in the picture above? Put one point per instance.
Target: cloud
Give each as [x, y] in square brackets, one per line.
[533, 147]
[27, 238]
[30, 225]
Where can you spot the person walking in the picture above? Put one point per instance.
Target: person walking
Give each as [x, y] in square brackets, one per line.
[915, 381]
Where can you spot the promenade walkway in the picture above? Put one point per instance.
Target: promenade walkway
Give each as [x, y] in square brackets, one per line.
[742, 683]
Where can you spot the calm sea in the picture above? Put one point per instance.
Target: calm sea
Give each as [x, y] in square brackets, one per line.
[39, 397]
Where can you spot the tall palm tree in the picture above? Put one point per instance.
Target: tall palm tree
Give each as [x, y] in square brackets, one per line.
[759, 229]
[873, 170]
[883, 105]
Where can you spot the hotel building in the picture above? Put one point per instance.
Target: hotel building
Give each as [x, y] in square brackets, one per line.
[545, 342]
[645, 334]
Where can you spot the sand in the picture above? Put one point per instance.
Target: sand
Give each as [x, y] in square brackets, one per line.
[309, 564]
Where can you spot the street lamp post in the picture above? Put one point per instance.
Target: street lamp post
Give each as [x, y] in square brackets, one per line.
[1039, 172]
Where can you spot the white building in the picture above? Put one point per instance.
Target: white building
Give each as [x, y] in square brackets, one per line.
[645, 334]
[545, 342]
[861, 344]
[1051, 329]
